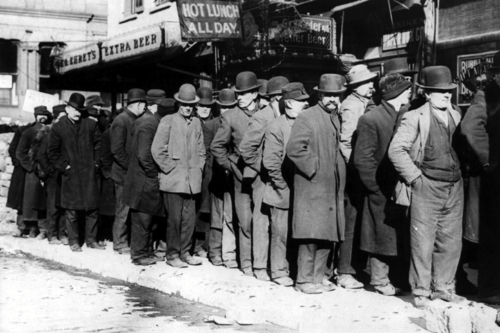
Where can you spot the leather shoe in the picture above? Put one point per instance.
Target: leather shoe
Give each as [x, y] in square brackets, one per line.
[75, 248]
[123, 250]
[447, 296]
[216, 261]
[231, 264]
[20, 233]
[247, 271]
[96, 246]
[284, 281]
[64, 240]
[387, 289]
[190, 260]
[309, 288]
[55, 241]
[261, 274]
[347, 281]
[177, 263]
[144, 261]
[42, 235]
[156, 259]
[201, 254]
[33, 232]
[421, 301]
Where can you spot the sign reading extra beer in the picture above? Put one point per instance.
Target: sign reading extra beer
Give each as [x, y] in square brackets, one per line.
[209, 20]
[77, 58]
[143, 41]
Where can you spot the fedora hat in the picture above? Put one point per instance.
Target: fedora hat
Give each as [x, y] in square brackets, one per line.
[276, 84]
[187, 94]
[226, 98]
[359, 74]
[263, 87]
[136, 95]
[77, 100]
[295, 91]
[57, 109]
[436, 77]
[206, 96]
[246, 81]
[154, 96]
[496, 61]
[398, 66]
[91, 101]
[331, 84]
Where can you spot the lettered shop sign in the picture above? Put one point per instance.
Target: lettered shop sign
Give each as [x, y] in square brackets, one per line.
[209, 20]
[130, 44]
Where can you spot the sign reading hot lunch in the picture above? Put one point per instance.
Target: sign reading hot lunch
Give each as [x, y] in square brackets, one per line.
[209, 20]
[143, 41]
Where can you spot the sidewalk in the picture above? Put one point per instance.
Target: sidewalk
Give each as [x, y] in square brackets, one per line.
[250, 300]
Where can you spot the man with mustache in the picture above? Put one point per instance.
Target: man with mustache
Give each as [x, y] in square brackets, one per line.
[423, 152]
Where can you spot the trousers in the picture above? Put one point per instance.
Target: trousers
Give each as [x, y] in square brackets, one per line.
[73, 218]
[312, 260]
[120, 226]
[181, 223]
[279, 239]
[243, 206]
[141, 234]
[260, 226]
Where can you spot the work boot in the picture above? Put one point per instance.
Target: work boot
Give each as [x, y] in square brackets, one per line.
[347, 281]
[42, 235]
[54, 241]
[144, 261]
[96, 246]
[64, 240]
[387, 289]
[75, 248]
[421, 301]
[190, 260]
[177, 263]
[284, 281]
[231, 264]
[201, 253]
[123, 250]
[327, 285]
[261, 274]
[20, 233]
[33, 232]
[247, 271]
[216, 261]
[309, 288]
[447, 296]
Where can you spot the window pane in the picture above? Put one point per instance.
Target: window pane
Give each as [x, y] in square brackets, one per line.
[5, 96]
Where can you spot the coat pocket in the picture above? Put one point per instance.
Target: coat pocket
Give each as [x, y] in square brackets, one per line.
[402, 194]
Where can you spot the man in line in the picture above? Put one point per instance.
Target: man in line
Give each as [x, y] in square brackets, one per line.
[423, 152]
[121, 145]
[226, 150]
[251, 152]
[34, 201]
[360, 81]
[319, 180]
[179, 151]
[141, 191]
[280, 168]
[382, 219]
[74, 151]
[481, 126]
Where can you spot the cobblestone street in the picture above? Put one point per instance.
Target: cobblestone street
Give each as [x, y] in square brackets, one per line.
[40, 296]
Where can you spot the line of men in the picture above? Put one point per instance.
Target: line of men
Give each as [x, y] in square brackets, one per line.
[382, 163]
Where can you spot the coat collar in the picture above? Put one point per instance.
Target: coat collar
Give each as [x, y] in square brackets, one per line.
[130, 114]
[425, 110]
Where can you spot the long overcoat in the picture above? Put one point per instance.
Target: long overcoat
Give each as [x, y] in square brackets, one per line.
[481, 126]
[142, 188]
[319, 176]
[34, 193]
[382, 219]
[53, 180]
[16, 188]
[76, 145]
[107, 203]
[121, 144]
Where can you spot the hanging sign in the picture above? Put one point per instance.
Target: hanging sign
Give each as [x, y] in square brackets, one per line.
[209, 20]
[472, 75]
[77, 58]
[34, 98]
[131, 44]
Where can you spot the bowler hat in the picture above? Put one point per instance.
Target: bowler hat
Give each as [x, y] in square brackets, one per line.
[77, 100]
[398, 66]
[226, 98]
[276, 84]
[246, 81]
[496, 61]
[136, 95]
[206, 96]
[296, 91]
[154, 96]
[166, 106]
[263, 86]
[57, 109]
[187, 94]
[359, 74]
[331, 84]
[436, 77]
[91, 101]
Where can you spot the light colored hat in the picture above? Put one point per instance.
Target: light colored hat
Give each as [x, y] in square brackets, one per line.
[358, 74]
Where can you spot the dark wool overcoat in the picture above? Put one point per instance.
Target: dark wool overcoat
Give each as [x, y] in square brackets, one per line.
[53, 180]
[481, 126]
[382, 219]
[108, 198]
[121, 144]
[34, 193]
[76, 145]
[16, 188]
[142, 188]
[319, 176]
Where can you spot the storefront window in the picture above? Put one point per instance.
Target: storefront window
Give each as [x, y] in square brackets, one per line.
[8, 73]
[8, 91]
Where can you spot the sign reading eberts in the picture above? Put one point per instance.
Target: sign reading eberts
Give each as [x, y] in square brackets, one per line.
[143, 41]
[77, 58]
[209, 20]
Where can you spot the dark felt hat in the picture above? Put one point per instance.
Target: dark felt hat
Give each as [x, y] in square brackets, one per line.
[91, 101]
[58, 109]
[166, 106]
[296, 91]
[263, 86]
[226, 98]
[187, 94]
[136, 95]
[246, 81]
[331, 84]
[41, 111]
[436, 77]
[496, 61]
[398, 66]
[154, 96]
[206, 96]
[276, 84]
[393, 85]
[77, 101]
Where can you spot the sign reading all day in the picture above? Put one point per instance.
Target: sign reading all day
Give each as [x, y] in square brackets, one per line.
[209, 20]
[34, 98]
[143, 41]
[77, 58]
[313, 33]
[472, 75]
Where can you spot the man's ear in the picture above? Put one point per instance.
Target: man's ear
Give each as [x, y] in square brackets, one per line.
[254, 94]
[288, 103]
